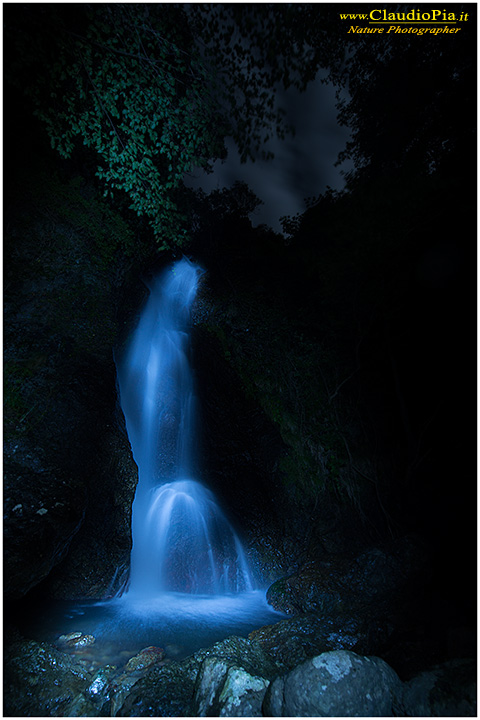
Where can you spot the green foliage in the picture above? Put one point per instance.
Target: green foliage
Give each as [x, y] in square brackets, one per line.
[150, 91]
[122, 84]
[226, 207]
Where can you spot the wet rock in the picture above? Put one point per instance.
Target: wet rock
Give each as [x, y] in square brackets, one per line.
[244, 653]
[335, 684]
[83, 641]
[76, 640]
[210, 678]
[100, 682]
[119, 688]
[242, 694]
[69, 637]
[376, 582]
[165, 691]
[145, 658]
[168, 690]
[448, 690]
[39, 530]
[294, 640]
[122, 685]
[42, 681]
[228, 691]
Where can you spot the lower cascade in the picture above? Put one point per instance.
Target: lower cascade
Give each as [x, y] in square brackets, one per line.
[192, 546]
[182, 540]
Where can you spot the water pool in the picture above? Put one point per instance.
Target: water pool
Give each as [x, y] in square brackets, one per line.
[177, 622]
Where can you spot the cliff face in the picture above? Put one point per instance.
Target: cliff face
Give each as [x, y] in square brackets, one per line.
[69, 471]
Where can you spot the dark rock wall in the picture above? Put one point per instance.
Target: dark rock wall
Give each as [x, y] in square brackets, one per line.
[69, 474]
[270, 449]
[239, 450]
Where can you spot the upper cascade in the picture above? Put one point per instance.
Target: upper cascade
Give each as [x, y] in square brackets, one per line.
[182, 541]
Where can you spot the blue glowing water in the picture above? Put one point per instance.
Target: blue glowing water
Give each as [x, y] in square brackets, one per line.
[182, 541]
[178, 622]
[190, 584]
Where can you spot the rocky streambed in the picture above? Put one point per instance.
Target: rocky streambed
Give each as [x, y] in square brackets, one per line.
[288, 669]
[345, 645]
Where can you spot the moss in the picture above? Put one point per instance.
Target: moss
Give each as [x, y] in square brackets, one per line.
[219, 333]
[23, 408]
[283, 370]
[76, 206]
[14, 403]
[66, 252]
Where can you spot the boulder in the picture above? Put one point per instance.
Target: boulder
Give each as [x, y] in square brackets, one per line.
[446, 690]
[333, 684]
[176, 689]
[241, 652]
[164, 691]
[293, 640]
[227, 691]
[375, 588]
[236, 677]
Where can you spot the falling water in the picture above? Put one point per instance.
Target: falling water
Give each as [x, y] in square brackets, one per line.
[189, 583]
[181, 539]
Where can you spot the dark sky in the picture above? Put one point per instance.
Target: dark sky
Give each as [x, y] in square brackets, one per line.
[303, 165]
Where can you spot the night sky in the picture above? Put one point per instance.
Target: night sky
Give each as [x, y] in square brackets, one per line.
[303, 164]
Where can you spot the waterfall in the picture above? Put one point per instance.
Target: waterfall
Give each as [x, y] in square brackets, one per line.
[182, 541]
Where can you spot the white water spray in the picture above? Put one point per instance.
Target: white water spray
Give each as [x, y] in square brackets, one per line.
[181, 539]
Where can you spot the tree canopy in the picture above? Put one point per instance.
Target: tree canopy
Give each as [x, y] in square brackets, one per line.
[152, 90]
[119, 80]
